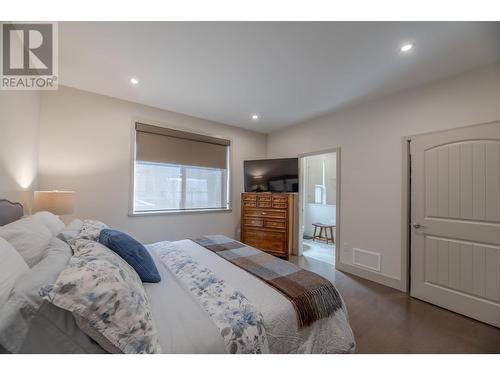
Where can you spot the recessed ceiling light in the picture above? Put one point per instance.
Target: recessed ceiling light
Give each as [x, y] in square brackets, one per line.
[255, 117]
[407, 47]
[134, 81]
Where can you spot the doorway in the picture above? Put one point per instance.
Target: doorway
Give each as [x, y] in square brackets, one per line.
[455, 220]
[318, 211]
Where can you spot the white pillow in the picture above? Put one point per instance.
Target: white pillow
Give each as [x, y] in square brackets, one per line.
[29, 238]
[71, 230]
[51, 221]
[12, 266]
[76, 224]
[22, 306]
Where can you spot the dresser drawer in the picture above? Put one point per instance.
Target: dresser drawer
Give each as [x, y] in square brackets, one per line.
[264, 240]
[265, 213]
[264, 204]
[249, 197]
[280, 201]
[253, 222]
[265, 201]
[274, 224]
[280, 205]
[249, 203]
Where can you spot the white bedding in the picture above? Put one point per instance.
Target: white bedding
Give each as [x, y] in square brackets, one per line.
[184, 327]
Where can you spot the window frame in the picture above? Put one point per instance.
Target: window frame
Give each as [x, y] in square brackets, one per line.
[176, 211]
[322, 189]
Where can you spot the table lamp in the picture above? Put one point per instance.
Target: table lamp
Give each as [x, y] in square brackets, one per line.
[57, 202]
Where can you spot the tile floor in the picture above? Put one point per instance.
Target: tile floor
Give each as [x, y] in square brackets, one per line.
[319, 251]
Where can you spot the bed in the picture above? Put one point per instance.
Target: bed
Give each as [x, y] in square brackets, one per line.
[183, 322]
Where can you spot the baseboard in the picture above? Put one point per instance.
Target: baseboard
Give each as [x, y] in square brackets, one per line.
[391, 282]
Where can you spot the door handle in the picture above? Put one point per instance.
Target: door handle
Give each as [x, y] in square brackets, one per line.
[417, 226]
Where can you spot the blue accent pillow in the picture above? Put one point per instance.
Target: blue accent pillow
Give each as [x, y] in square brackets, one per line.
[133, 252]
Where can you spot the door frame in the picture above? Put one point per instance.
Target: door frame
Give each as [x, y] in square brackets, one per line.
[405, 213]
[301, 157]
[406, 202]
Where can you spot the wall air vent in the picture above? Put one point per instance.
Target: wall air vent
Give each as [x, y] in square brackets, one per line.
[366, 259]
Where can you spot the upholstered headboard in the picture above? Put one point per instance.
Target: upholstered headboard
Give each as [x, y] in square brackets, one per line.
[10, 211]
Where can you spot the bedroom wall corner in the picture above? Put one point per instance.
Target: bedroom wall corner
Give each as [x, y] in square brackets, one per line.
[19, 134]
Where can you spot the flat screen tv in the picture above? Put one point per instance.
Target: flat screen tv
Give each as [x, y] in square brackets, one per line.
[272, 175]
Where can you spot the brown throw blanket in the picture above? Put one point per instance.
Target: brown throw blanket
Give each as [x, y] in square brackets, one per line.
[312, 296]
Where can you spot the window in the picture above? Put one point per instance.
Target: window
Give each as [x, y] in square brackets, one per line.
[319, 194]
[179, 171]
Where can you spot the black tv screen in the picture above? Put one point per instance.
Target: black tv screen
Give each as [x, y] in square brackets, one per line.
[273, 175]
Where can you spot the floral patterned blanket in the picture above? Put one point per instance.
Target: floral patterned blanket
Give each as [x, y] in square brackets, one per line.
[239, 322]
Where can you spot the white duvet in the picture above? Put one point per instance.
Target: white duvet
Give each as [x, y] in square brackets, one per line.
[184, 327]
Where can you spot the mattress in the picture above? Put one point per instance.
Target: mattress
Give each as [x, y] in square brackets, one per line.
[184, 327]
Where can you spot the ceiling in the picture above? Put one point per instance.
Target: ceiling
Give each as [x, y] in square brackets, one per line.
[286, 72]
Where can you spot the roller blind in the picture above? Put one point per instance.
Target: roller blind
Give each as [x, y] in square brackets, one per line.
[162, 145]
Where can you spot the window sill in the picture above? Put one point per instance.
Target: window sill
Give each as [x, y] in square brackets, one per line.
[180, 212]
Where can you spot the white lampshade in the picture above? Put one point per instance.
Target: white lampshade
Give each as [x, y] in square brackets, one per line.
[57, 202]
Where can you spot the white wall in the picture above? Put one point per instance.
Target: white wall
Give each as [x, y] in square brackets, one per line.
[86, 144]
[18, 144]
[318, 213]
[369, 135]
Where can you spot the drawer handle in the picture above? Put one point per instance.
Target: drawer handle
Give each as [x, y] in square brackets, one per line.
[263, 213]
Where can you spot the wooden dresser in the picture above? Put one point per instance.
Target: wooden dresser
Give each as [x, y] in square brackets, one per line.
[269, 222]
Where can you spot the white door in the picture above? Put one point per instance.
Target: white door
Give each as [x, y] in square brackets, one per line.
[455, 209]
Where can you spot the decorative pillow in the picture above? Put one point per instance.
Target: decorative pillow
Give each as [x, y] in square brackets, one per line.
[95, 335]
[29, 238]
[12, 267]
[100, 288]
[71, 231]
[25, 300]
[51, 221]
[133, 252]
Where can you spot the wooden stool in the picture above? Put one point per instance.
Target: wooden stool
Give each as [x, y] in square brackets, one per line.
[320, 236]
